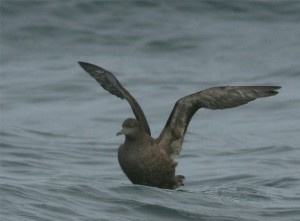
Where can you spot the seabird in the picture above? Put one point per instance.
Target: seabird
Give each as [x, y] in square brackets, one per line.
[148, 161]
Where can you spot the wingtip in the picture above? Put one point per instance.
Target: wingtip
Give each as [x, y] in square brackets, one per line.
[270, 91]
[274, 90]
[277, 87]
[83, 64]
[88, 67]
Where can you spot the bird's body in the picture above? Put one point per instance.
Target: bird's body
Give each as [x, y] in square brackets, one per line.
[148, 161]
[144, 161]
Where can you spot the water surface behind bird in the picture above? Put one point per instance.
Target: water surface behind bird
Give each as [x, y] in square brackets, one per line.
[58, 126]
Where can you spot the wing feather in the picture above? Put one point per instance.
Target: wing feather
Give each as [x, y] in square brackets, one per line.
[110, 83]
[171, 138]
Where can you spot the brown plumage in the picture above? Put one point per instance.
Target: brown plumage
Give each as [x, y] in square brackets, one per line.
[148, 161]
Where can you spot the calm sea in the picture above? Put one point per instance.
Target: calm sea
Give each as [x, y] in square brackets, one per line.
[58, 126]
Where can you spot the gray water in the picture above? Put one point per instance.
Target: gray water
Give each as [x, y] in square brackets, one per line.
[58, 126]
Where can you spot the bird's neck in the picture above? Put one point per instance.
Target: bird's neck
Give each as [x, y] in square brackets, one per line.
[138, 140]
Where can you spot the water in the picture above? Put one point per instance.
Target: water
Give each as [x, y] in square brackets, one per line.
[58, 143]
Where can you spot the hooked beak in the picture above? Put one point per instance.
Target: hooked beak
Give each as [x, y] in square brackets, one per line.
[121, 132]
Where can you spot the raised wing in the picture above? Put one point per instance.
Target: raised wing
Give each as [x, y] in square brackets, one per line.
[110, 83]
[172, 136]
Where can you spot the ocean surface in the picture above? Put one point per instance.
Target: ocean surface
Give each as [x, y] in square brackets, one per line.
[58, 126]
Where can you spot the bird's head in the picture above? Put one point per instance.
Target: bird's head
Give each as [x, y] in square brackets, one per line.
[131, 128]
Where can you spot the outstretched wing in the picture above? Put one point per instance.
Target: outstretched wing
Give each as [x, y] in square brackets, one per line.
[110, 83]
[171, 137]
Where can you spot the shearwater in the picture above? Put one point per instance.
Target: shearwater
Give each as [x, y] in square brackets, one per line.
[148, 161]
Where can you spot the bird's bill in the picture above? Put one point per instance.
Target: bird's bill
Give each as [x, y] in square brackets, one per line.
[121, 132]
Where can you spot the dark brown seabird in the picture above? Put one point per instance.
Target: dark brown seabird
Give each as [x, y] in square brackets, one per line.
[147, 161]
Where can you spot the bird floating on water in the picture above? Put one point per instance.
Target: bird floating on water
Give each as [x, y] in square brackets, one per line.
[148, 161]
